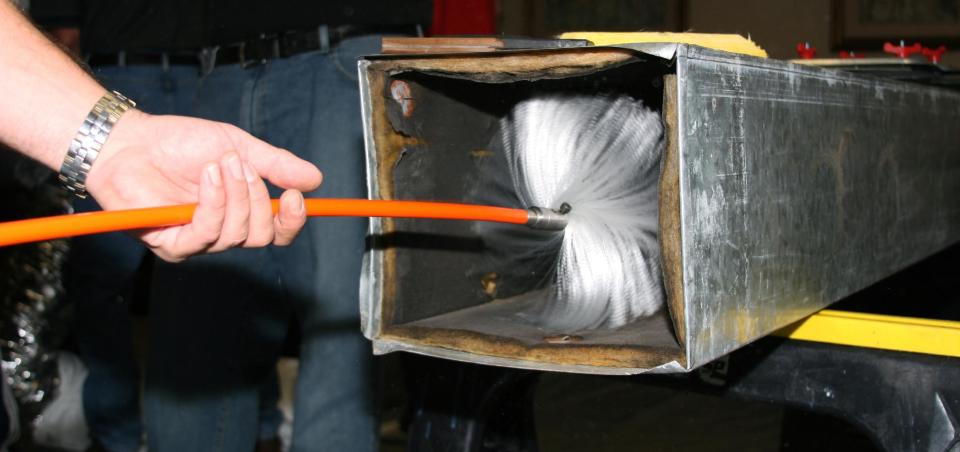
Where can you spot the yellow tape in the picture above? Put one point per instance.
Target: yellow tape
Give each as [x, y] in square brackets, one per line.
[725, 42]
[905, 334]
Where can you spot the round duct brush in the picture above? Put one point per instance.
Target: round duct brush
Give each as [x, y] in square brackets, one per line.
[598, 157]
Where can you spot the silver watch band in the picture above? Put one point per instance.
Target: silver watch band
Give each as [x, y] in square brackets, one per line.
[86, 145]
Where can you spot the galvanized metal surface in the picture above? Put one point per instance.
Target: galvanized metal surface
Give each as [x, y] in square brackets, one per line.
[372, 270]
[907, 69]
[800, 186]
[877, 61]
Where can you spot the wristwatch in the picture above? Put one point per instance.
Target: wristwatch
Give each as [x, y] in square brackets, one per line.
[86, 145]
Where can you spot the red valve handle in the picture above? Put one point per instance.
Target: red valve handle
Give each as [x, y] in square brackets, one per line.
[847, 55]
[806, 51]
[902, 50]
[934, 54]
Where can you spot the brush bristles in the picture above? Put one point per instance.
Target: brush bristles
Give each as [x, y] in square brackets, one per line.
[601, 155]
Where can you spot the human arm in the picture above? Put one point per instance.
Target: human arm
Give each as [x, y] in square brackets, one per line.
[149, 160]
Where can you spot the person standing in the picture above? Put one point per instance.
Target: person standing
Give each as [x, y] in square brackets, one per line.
[150, 50]
[286, 73]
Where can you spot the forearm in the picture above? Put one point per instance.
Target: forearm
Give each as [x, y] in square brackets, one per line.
[44, 95]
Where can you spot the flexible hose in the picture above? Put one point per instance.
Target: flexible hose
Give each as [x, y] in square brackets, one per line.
[63, 226]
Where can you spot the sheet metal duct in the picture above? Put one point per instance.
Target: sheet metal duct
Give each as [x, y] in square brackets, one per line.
[784, 188]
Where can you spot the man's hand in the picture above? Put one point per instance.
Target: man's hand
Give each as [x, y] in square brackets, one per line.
[149, 161]
[160, 160]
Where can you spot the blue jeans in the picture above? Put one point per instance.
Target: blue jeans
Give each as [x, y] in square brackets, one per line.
[100, 278]
[219, 320]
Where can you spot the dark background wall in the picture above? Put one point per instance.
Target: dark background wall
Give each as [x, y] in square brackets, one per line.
[776, 26]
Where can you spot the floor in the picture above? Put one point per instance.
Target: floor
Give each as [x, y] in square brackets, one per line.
[576, 413]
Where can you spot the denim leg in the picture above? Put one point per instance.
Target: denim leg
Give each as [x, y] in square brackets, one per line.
[270, 416]
[217, 327]
[155, 90]
[100, 282]
[218, 322]
[310, 105]
[313, 109]
[100, 279]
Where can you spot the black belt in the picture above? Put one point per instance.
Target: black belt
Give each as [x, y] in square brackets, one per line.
[267, 47]
[164, 59]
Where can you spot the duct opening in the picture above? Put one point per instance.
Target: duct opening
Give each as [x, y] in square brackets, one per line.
[454, 286]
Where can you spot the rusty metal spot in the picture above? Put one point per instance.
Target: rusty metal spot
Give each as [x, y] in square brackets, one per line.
[481, 153]
[402, 94]
[562, 338]
[489, 282]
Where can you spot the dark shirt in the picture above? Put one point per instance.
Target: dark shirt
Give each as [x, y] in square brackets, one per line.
[233, 20]
[110, 26]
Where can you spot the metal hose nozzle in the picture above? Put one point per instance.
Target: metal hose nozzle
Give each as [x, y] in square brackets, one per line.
[548, 219]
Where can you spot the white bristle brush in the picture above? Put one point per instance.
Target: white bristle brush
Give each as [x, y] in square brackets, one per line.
[600, 155]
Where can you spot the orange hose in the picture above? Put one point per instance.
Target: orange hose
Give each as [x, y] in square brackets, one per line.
[63, 226]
